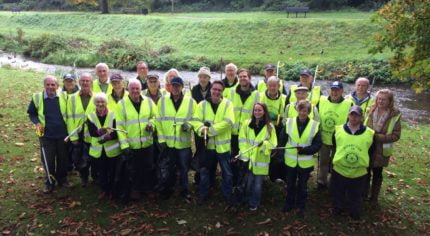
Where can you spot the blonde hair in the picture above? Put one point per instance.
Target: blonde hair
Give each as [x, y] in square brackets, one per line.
[390, 96]
[167, 74]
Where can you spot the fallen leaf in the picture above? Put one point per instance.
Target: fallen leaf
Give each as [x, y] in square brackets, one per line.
[218, 225]
[268, 220]
[181, 222]
[125, 232]
[19, 144]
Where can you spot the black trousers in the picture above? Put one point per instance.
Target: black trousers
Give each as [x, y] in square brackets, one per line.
[141, 169]
[351, 189]
[234, 151]
[297, 187]
[56, 160]
[106, 167]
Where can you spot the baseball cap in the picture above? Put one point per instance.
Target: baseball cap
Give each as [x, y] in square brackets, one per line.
[336, 84]
[177, 80]
[116, 77]
[152, 76]
[306, 72]
[69, 76]
[356, 109]
[269, 67]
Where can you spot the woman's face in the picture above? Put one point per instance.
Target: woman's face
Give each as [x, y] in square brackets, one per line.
[303, 114]
[383, 101]
[258, 112]
[101, 105]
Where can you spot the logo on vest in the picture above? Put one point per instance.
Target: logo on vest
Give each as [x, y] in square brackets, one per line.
[351, 158]
[329, 122]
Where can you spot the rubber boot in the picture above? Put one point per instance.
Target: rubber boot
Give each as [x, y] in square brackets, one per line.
[376, 188]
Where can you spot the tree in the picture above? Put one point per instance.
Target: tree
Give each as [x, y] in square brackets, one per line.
[103, 4]
[406, 32]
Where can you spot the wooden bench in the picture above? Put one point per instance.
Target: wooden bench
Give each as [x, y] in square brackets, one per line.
[297, 10]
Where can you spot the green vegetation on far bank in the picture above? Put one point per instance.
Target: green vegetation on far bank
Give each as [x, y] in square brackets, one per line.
[404, 202]
[336, 40]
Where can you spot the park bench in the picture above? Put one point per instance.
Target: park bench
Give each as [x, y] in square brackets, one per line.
[297, 10]
[16, 10]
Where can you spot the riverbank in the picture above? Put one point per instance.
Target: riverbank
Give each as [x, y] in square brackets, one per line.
[338, 41]
[404, 203]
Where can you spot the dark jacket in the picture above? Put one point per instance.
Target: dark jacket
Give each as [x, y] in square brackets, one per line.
[197, 95]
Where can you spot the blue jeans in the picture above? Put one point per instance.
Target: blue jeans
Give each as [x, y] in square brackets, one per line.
[253, 189]
[227, 174]
[180, 158]
[297, 187]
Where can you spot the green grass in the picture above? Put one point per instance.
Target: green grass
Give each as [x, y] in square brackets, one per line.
[404, 202]
[244, 38]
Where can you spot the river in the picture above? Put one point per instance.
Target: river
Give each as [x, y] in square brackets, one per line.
[415, 107]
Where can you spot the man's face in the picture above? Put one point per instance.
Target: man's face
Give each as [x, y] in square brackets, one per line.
[269, 72]
[69, 84]
[355, 119]
[273, 87]
[51, 86]
[301, 94]
[216, 91]
[361, 86]
[176, 89]
[243, 79]
[85, 82]
[204, 80]
[336, 93]
[102, 72]
[306, 80]
[230, 72]
[134, 91]
[142, 70]
[117, 84]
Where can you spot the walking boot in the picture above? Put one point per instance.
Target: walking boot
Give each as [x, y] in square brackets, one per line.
[376, 188]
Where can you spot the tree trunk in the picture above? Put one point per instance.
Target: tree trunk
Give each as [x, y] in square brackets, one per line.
[104, 6]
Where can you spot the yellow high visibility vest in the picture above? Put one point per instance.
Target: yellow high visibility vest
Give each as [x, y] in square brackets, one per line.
[97, 88]
[275, 107]
[291, 157]
[290, 111]
[351, 159]
[388, 148]
[365, 106]
[76, 116]
[38, 103]
[331, 115]
[219, 134]
[258, 157]
[128, 119]
[111, 147]
[313, 96]
[169, 122]
[111, 101]
[242, 111]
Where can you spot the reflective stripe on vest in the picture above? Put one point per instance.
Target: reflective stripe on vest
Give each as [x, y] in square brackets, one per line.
[388, 148]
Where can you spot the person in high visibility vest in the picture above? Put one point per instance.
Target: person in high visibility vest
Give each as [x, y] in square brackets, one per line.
[214, 122]
[79, 106]
[361, 96]
[302, 139]
[102, 83]
[291, 111]
[47, 112]
[174, 126]
[118, 91]
[243, 97]
[257, 131]
[385, 119]
[275, 102]
[230, 80]
[168, 76]
[136, 115]
[104, 148]
[153, 91]
[354, 144]
[306, 80]
[142, 73]
[69, 87]
[269, 71]
[333, 111]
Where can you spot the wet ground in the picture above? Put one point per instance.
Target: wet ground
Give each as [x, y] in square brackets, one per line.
[415, 108]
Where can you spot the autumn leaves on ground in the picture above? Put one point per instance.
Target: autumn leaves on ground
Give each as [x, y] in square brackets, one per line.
[404, 204]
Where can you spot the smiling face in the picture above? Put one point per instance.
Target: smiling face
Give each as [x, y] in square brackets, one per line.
[134, 90]
[69, 84]
[306, 80]
[117, 85]
[216, 92]
[50, 84]
[230, 72]
[272, 87]
[258, 111]
[383, 101]
[244, 79]
[336, 94]
[102, 72]
[101, 105]
[85, 82]
[301, 94]
[204, 80]
[361, 86]
[354, 119]
[142, 70]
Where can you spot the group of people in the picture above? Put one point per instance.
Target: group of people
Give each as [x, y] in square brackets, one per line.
[135, 138]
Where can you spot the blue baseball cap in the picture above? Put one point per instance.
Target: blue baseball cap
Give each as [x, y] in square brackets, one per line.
[336, 84]
[177, 80]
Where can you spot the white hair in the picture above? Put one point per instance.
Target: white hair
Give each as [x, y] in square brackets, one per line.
[273, 79]
[231, 65]
[102, 65]
[167, 74]
[50, 77]
[134, 81]
[100, 96]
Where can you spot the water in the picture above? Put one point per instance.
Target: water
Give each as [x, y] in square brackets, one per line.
[415, 108]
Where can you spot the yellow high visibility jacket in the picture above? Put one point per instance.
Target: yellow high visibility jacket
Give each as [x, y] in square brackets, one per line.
[290, 111]
[331, 115]
[76, 116]
[242, 110]
[111, 100]
[169, 122]
[291, 157]
[351, 159]
[97, 88]
[219, 134]
[258, 157]
[262, 86]
[111, 147]
[38, 103]
[128, 119]
[313, 96]
[275, 106]
[365, 106]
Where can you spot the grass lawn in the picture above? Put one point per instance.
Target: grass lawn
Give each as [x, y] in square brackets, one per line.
[244, 38]
[404, 202]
